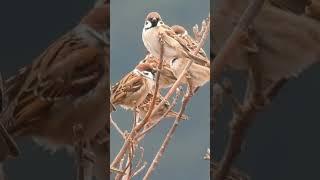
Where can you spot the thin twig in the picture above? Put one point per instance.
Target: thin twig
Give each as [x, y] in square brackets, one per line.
[172, 105]
[233, 41]
[117, 127]
[149, 114]
[182, 75]
[182, 109]
[239, 122]
[140, 159]
[166, 140]
[140, 169]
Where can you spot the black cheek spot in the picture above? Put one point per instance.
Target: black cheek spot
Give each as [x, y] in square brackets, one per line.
[173, 60]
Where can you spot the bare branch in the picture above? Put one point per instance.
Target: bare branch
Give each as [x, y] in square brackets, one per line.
[117, 128]
[232, 43]
[182, 109]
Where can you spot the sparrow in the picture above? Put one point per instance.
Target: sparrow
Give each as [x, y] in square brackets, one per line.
[174, 46]
[190, 42]
[134, 87]
[143, 108]
[199, 72]
[64, 86]
[167, 77]
[177, 51]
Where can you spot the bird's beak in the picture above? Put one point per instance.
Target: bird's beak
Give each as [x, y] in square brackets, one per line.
[154, 22]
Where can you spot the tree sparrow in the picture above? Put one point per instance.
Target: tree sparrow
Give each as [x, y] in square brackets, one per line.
[133, 88]
[190, 42]
[199, 72]
[167, 77]
[176, 50]
[174, 46]
[64, 86]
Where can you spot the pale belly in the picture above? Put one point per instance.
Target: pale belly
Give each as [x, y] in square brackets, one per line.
[152, 43]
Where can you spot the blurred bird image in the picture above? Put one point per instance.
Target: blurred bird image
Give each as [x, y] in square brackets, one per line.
[64, 86]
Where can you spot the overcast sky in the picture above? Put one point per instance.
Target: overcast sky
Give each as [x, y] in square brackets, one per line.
[183, 158]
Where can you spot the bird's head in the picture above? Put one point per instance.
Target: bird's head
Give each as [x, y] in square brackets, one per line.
[153, 19]
[145, 70]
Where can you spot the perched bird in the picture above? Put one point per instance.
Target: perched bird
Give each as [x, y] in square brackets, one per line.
[177, 50]
[278, 55]
[133, 88]
[190, 42]
[143, 108]
[174, 46]
[167, 77]
[196, 76]
[64, 86]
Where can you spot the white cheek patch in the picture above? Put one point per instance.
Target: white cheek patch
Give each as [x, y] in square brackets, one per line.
[160, 23]
[147, 25]
[149, 76]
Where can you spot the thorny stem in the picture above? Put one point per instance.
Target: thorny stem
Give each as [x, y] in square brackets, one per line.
[182, 109]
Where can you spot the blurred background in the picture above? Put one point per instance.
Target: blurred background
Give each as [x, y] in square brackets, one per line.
[28, 28]
[283, 142]
[183, 158]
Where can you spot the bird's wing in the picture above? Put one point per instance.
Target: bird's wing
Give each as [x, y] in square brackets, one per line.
[126, 86]
[173, 40]
[68, 68]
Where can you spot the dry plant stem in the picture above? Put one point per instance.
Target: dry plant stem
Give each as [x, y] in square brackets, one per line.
[140, 160]
[182, 109]
[243, 116]
[169, 136]
[117, 127]
[140, 169]
[239, 120]
[128, 168]
[232, 42]
[144, 121]
[182, 75]
[233, 175]
[174, 102]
